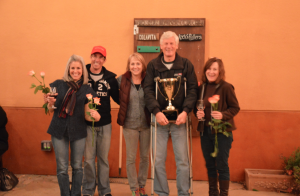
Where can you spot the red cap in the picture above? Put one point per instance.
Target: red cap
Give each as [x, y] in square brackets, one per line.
[99, 49]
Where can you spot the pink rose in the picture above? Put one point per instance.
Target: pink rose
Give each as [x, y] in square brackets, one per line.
[217, 97]
[212, 100]
[31, 73]
[89, 96]
[42, 74]
[97, 100]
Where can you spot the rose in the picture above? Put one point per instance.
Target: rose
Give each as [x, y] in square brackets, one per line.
[218, 125]
[212, 100]
[41, 87]
[89, 96]
[97, 100]
[42, 74]
[217, 97]
[31, 73]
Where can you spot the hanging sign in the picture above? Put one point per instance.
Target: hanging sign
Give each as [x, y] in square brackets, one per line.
[148, 49]
[190, 37]
[147, 36]
[170, 22]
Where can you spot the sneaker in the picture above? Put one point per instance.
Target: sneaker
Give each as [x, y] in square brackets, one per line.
[142, 191]
[136, 192]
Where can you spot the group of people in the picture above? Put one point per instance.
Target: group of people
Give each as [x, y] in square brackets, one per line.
[135, 92]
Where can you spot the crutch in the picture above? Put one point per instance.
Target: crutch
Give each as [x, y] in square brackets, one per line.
[153, 154]
[120, 150]
[189, 132]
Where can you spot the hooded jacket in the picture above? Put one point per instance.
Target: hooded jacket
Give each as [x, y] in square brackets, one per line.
[183, 69]
[105, 88]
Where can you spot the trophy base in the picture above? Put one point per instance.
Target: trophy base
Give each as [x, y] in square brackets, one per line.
[171, 115]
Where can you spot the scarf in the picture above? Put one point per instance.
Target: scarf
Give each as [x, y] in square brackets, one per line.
[68, 104]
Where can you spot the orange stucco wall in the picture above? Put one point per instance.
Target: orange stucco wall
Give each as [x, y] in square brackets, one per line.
[257, 40]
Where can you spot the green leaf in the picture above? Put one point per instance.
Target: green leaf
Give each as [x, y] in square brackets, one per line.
[217, 121]
[46, 90]
[254, 190]
[33, 85]
[90, 105]
[38, 88]
[210, 123]
[88, 113]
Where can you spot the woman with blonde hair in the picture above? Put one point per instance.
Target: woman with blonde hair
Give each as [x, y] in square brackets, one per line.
[68, 126]
[135, 119]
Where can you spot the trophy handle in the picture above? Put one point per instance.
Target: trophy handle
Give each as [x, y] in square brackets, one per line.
[178, 87]
[161, 92]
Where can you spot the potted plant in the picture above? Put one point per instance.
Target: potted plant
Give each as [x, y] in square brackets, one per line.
[292, 168]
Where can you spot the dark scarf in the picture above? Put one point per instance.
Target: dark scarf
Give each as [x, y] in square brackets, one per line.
[68, 104]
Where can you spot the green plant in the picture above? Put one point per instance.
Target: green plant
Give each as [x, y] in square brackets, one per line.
[291, 166]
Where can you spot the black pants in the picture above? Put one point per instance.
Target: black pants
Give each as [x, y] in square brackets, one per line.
[216, 165]
[3, 149]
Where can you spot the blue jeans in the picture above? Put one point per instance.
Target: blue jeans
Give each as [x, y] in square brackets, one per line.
[179, 140]
[132, 137]
[217, 164]
[61, 149]
[100, 149]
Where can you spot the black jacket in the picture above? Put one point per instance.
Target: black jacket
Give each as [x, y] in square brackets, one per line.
[105, 88]
[75, 125]
[181, 67]
[3, 122]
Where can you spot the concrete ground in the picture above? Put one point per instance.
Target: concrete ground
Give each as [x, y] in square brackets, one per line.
[42, 185]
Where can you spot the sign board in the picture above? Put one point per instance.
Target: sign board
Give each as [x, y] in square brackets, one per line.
[147, 36]
[190, 37]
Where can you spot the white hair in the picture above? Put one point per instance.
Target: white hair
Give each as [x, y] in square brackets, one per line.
[169, 34]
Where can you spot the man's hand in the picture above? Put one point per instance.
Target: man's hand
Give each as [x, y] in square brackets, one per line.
[181, 118]
[161, 119]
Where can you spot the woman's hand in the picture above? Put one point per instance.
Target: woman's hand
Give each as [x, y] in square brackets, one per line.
[45, 98]
[95, 115]
[51, 101]
[217, 115]
[200, 114]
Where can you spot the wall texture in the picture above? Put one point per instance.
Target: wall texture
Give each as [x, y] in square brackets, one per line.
[257, 40]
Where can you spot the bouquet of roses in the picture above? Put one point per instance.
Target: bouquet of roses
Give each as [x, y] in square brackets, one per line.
[218, 125]
[93, 102]
[40, 87]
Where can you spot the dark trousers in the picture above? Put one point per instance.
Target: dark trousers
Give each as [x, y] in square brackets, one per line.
[216, 165]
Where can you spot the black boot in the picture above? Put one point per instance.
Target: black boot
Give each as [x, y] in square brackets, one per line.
[213, 186]
[224, 187]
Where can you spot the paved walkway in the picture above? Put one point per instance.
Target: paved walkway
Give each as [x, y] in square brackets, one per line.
[41, 185]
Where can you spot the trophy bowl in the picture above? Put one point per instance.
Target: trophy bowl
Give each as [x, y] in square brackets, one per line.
[168, 85]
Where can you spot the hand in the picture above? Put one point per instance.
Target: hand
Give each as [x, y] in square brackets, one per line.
[217, 115]
[181, 118]
[95, 115]
[200, 114]
[161, 119]
[45, 98]
[51, 100]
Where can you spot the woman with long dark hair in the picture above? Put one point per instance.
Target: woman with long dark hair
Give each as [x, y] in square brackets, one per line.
[213, 83]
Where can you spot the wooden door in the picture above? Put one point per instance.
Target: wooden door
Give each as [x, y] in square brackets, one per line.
[147, 32]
